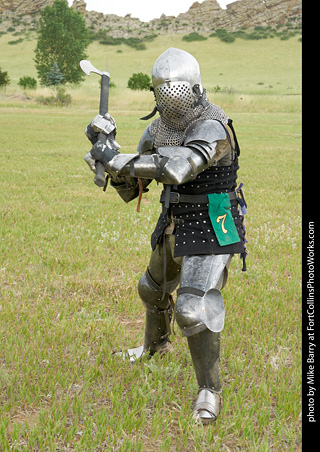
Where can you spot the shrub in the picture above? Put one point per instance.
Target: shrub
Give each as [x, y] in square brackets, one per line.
[255, 35]
[4, 79]
[17, 41]
[136, 43]
[150, 38]
[110, 41]
[62, 97]
[27, 82]
[105, 39]
[224, 35]
[193, 37]
[139, 81]
[60, 100]
[227, 38]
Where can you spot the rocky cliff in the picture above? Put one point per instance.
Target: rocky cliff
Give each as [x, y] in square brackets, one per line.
[243, 13]
[23, 6]
[202, 17]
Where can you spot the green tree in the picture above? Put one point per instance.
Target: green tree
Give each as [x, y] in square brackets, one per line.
[54, 77]
[139, 81]
[62, 39]
[4, 78]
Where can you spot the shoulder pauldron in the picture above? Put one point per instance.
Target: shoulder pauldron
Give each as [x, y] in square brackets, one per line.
[146, 142]
[208, 131]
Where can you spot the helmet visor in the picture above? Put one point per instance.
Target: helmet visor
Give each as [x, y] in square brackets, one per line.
[174, 99]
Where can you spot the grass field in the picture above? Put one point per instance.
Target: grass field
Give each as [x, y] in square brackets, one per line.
[71, 257]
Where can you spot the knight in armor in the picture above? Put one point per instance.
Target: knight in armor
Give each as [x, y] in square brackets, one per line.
[191, 148]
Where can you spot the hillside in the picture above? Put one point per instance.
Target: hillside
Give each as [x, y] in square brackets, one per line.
[248, 66]
[202, 17]
[268, 66]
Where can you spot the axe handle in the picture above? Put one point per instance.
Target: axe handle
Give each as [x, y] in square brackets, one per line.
[100, 179]
[104, 94]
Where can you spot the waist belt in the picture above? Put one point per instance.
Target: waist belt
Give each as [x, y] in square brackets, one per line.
[173, 197]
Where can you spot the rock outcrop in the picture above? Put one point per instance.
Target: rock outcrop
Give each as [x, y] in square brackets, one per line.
[202, 17]
[23, 7]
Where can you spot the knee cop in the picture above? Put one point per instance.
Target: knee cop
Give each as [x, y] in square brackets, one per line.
[151, 294]
[200, 304]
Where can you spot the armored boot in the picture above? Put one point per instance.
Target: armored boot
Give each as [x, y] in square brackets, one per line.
[205, 351]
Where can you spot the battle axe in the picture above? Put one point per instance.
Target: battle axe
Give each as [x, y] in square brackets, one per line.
[87, 68]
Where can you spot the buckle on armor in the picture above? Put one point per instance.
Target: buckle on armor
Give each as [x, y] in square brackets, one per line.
[174, 197]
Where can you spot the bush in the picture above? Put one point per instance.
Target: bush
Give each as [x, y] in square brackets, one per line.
[224, 35]
[258, 32]
[255, 35]
[139, 81]
[62, 97]
[60, 100]
[17, 41]
[110, 41]
[136, 43]
[193, 37]
[4, 79]
[27, 82]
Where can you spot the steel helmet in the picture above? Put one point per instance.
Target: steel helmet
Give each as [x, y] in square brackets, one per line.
[176, 83]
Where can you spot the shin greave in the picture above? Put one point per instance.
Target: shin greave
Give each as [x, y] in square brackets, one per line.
[157, 330]
[205, 353]
[158, 314]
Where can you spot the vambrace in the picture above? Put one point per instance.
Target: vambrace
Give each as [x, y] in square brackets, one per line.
[128, 187]
[172, 165]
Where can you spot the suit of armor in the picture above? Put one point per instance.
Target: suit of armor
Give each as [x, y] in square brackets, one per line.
[191, 148]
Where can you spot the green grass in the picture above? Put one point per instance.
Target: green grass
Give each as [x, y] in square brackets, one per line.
[71, 257]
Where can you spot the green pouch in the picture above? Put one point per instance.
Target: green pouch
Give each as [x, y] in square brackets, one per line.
[221, 219]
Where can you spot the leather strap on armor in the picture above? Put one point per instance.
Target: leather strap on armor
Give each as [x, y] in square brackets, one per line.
[176, 197]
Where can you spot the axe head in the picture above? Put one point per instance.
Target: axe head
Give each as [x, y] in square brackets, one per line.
[88, 67]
